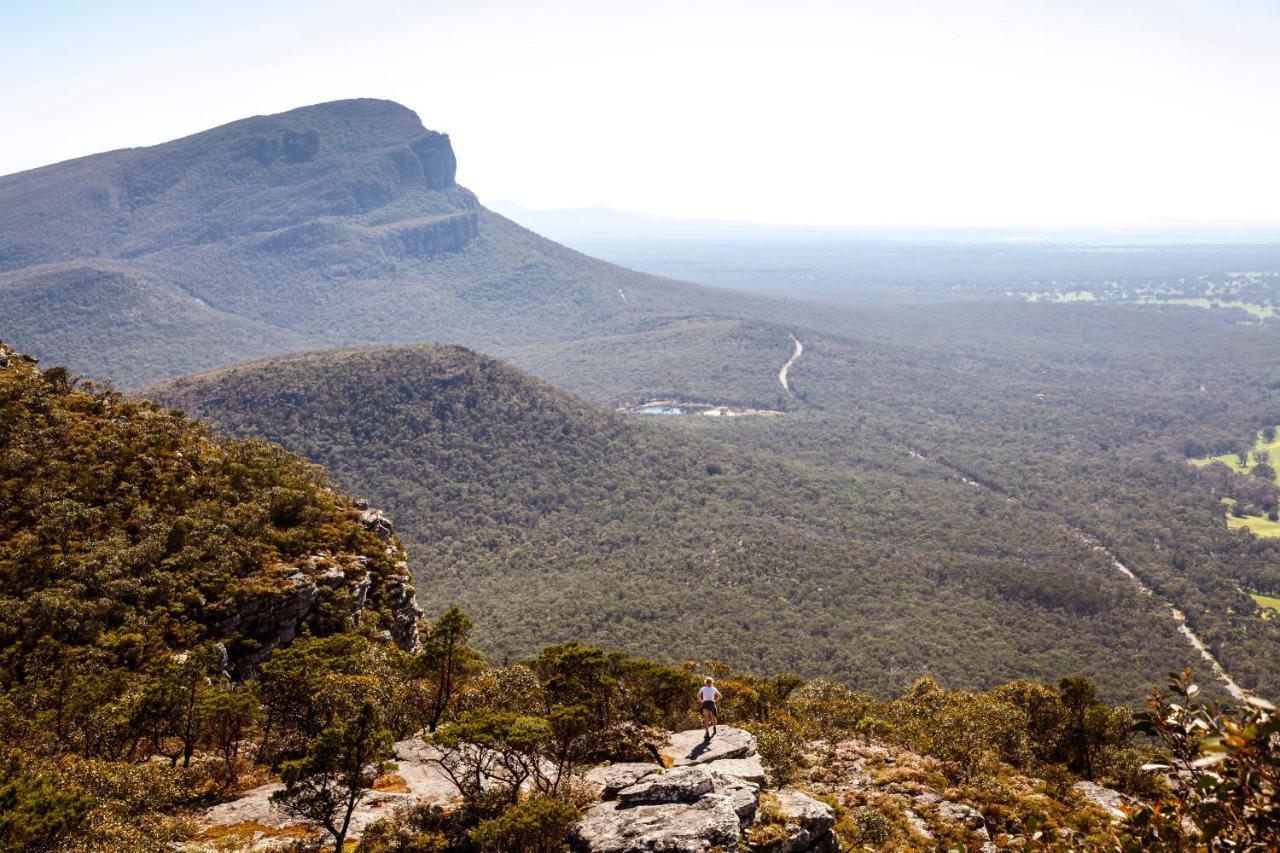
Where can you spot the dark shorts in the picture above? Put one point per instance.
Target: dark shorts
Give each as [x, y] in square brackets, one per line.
[710, 706]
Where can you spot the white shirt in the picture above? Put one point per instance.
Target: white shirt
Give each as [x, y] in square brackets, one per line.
[708, 694]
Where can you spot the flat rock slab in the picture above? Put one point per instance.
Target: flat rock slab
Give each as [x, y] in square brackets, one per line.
[423, 783]
[749, 769]
[691, 747]
[612, 778]
[705, 825]
[677, 785]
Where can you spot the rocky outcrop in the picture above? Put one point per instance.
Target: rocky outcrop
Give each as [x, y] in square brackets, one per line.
[267, 619]
[427, 239]
[428, 161]
[1108, 799]
[951, 812]
[748, 768]
[708, 799]
[270, 620]
[691, 747]
[609, 779]
[375, 522]
[255, 823]
[705, 824]
[805, 824]
[678, 785]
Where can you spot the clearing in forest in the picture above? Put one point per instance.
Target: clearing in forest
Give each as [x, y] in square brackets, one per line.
[1263, 451]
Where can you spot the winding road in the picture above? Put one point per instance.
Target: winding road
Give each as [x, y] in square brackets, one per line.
[782, 374]
[1229, 684]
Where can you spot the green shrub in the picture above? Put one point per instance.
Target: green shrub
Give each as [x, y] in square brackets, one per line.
[532, 826]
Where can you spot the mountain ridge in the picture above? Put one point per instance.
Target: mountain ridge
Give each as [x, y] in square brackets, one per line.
[334, 224]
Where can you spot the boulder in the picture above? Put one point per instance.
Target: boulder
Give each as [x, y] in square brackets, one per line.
[744, 795]
[378, 524]
[678, 785]
[807, 824]
[1108, 799]
[612, 778]
[691, 747]
[709, 823]
[749, 769]
[967, 816]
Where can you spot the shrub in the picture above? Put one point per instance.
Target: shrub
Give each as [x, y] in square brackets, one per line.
[1226, 769]
[532, 826]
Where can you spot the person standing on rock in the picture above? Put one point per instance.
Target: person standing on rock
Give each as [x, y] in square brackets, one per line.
[708, 696]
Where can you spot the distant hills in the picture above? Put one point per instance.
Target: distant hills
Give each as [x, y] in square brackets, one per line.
[330, 225]
[548, 519]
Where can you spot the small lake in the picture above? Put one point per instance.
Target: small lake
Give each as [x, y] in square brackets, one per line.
[663, 410]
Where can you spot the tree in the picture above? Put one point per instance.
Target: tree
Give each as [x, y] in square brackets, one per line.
[229, 715]
[1087, 728]
[446, 660]
[340, 766]
[484, 748]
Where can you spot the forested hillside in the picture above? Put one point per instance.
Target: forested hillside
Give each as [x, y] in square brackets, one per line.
[550, 519]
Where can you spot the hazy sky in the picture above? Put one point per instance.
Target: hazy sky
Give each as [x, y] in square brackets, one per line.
[837, 113]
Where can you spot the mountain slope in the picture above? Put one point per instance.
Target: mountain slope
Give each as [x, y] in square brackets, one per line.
[549, 519]
[334, 224]
[128, 533]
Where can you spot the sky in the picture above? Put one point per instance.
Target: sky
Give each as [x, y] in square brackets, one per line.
[798, 112]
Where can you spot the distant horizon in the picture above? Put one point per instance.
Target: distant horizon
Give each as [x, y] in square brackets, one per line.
[813, 112]
[1154, 233]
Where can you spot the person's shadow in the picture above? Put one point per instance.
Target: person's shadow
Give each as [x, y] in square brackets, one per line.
[701, 748]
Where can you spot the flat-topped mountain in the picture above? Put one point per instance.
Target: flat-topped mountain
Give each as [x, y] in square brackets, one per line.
[333, 224]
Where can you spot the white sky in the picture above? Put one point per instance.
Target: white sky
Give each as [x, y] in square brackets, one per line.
[900, 113]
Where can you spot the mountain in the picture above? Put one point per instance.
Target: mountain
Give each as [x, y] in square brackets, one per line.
[329, 225]
[550, 519]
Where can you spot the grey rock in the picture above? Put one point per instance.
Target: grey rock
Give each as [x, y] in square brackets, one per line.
[749, 768]
[375, 522]
[405, 615]
[690, 747]
[612, 778]
[1112, 801]
[678, 785]
[272, 620]
[966, 816]
[415, 763]
[918, 825]
[808, 824]
[744, 795]
[704, 825]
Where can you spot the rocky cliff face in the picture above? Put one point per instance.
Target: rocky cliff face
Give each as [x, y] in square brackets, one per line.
[255, 176]
[258, 624]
